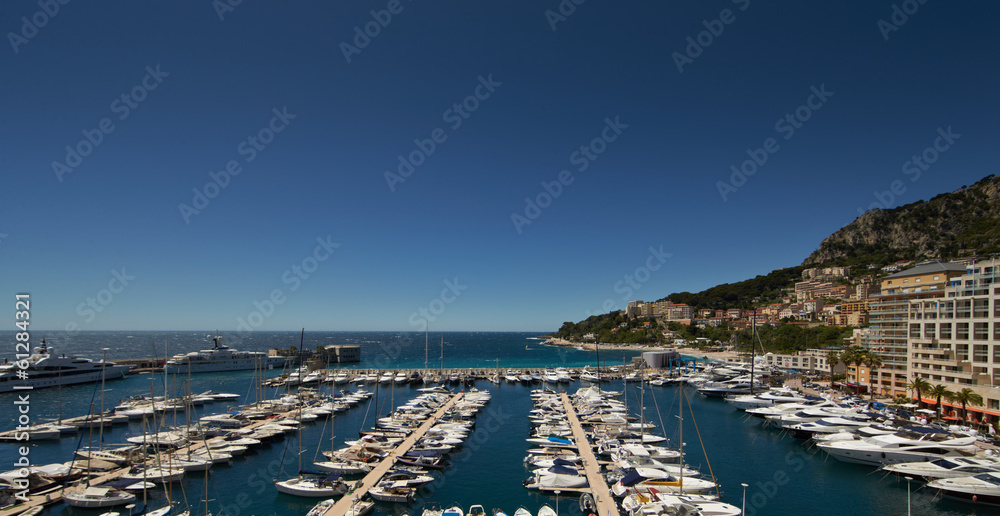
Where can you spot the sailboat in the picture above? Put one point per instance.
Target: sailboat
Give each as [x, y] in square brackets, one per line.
[310, 484]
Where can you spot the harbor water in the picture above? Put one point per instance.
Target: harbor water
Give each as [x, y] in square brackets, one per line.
[783, 475]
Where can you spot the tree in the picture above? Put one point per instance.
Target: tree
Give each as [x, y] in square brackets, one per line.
[967, 396]
[918, 385]
[873, 361]
[940, 391]
[833, 358]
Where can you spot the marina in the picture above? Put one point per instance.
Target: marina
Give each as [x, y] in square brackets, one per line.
[486, 469]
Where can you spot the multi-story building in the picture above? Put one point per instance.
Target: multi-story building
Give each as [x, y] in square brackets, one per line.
[812, 361]
[888, 317]
[955, 340]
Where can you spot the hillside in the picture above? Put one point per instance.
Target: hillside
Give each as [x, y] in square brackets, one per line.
[740, 294]
[968, 218]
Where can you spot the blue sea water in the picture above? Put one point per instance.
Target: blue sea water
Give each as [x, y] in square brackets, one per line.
[784, 476]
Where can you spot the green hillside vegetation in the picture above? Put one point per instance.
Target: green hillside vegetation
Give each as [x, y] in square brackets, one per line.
[784, 338]
[741, 294]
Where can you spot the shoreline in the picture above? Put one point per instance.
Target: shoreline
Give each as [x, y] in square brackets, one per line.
[591, 346]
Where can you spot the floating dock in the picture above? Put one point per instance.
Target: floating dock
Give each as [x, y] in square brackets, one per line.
[376, 474]
[598, 487]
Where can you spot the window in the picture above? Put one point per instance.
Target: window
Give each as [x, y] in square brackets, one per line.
[906, 281]
[936, 278]
[945, 331]
[916, 280]
[962, 331]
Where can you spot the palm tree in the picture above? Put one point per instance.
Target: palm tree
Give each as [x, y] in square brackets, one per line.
[832, 359]
[918, 385]
[967, 396]
[940, 391]
[873, 361]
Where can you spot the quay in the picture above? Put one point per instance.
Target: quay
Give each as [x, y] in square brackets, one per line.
[598, 487]
[376, 474]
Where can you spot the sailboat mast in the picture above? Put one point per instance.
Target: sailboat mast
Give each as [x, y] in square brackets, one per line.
[442, 353]
[100, 432]
[753, 332]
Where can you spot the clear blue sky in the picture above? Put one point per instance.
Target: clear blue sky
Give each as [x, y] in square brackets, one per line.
[62, 232]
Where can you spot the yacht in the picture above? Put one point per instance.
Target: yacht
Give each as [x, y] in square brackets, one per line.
[219, 358]
[982, 488]
[946, 468]
[893, 448]
[46, 369]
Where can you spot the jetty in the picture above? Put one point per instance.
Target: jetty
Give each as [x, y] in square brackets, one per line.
[598, 487]
[376, 474]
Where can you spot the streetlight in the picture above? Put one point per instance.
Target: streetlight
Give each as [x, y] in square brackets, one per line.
[557, 502]
[743, 510]
[908, 479]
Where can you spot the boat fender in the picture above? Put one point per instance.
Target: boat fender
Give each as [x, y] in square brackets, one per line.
[883, 455]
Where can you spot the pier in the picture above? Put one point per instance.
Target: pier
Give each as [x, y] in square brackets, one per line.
[598, 487]
[376, 474]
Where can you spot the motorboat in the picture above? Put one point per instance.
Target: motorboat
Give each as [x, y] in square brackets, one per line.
[892, 448]
[390, 491]
[982, 488]
[97, 497]
[945, 468]
[312, 485]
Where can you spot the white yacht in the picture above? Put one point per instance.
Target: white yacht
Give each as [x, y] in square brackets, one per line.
[893, 448]
[946, 468]
[982, 488]
[219, 358]
[46, 369]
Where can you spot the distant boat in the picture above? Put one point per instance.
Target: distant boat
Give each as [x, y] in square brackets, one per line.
[46, 369]
[219, 358]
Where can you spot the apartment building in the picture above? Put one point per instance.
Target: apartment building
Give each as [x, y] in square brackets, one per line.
[955, 340]
[888, 316]
[812, 361]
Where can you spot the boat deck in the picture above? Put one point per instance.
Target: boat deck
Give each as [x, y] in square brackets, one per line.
[606, 505]
[376, 474]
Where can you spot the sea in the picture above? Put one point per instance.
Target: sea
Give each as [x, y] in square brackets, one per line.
[758, 468]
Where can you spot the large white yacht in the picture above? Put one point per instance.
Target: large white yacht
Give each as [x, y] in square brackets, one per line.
[46, 369]
[219, 358]
[880, 450]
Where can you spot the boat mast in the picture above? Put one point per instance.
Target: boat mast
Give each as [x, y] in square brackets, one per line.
[753, 332]
[100, 432]
[442, 354]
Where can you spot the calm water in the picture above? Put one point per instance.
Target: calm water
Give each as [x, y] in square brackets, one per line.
[784, 476]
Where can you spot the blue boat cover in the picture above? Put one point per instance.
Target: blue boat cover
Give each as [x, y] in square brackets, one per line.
[555, 439]
[563, 470]
[632, 478]
[563, 462]
[423, 453]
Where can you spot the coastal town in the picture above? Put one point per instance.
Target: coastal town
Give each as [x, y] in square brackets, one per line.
[910, 328]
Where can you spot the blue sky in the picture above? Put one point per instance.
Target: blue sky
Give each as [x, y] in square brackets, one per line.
[449, 244]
